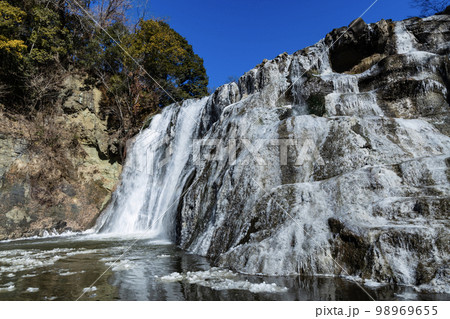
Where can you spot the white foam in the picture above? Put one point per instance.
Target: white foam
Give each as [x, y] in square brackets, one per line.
[119, 265]
[220, 279]
[437, 285]
[229, 284]
[160, 242]
[373, 284]
[109, 259]
[67, 273]
[86, 252]
[45, 234]
[89, 289]
[50, 298]
[32, 290]
[14, 261]
[8, 287]
[407, 295]
[173, 277]
[405, 40]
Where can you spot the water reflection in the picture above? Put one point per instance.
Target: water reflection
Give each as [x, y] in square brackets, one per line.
[61, 268]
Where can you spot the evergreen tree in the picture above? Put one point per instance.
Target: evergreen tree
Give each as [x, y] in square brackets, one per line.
[10, 19]
[169, 58]
[41, 40]
[12, 49]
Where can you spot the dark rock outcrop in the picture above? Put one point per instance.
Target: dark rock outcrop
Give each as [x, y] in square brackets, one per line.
[359, 43]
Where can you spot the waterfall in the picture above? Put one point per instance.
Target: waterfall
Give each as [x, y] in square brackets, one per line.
[152, 179]
[379, 179]
[347, 100]
[405, 41]
[345, 83]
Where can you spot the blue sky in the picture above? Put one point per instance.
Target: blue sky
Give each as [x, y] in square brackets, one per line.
[235, 35]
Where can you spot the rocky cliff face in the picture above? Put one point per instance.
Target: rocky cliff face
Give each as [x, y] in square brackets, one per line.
[365, 189]
[55, 175]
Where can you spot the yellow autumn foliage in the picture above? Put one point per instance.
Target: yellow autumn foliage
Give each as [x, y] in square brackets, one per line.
[10, 18]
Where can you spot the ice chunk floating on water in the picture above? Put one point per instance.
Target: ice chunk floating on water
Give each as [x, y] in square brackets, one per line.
[7, 287]
[89, 289]
[220, 279]
[32, 290]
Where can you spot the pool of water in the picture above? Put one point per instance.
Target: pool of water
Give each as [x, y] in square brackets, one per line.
[89, 267]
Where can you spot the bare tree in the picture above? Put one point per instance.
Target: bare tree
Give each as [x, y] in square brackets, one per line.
[430, 7]
[43, 89]
[108, 11]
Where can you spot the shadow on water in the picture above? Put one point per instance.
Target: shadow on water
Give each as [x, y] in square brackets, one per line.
[62, 268]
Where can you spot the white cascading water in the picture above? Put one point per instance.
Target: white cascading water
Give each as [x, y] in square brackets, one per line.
[405, 40]
[152, 175]
[156, 163]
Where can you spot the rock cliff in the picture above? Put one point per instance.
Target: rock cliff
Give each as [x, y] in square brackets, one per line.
[365, 189]
[55, 175]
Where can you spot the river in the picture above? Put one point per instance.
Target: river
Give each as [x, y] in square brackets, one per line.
[65, 268]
